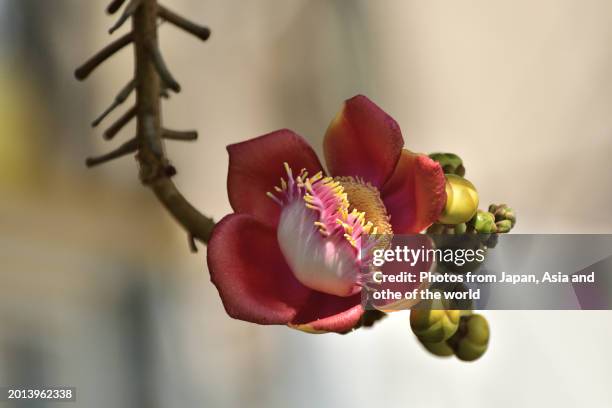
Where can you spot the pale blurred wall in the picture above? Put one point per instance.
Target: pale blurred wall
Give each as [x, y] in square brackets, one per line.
[519, 89]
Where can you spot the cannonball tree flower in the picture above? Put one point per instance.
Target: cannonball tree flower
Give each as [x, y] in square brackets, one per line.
[289, 254]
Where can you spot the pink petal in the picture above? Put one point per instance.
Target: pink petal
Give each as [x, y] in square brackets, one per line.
[328, 313]
[363, 141]
[248, 269]
[256, 166]
[415, 194]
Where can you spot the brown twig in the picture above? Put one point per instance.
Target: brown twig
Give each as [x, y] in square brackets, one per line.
[202, 32]
[128, 147]
[194, 222]
[129, 10]
[114, 6]
[179, 135]
[119, 99]
[120, 123]
[192, 244]
[161, 67]
[154, 166]
[87, 68]
[152, 78]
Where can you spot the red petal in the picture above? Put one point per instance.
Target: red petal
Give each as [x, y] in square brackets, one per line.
[256, 166]
[364, 141]
[415, 194]
[328, 313]
[250, 272]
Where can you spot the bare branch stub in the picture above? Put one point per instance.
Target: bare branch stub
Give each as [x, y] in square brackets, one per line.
[114, 6]
[162, 68]
[120, 123]
[126, 148]
[202, 32]
[119, 99]
[179, 134]
[91, 64]
[152, 78]
[129, 10]
[192, 244]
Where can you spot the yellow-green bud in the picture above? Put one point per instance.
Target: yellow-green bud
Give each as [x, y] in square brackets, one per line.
[433, 326]
[440, 349]
[483, 222]
[461, 200]
[450, 163]
[504, 226]
[472, 339]
[460, 228]
[503, 212]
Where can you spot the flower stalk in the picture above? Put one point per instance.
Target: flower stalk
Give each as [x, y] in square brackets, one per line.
[152, 78]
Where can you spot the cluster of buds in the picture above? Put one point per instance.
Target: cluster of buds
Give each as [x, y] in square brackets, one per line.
[445, 332]
[504, 217]
[451, 332]
[461, 214]
[498, 219]
[451, 163]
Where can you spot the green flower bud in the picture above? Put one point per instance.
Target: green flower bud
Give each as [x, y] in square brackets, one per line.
[483, 222]
[447, 229]
[440, 349]
[504, 226]
[471, 339]
[461, 201]
[503, 212]
[460, 228]
[433, 326]
[450, 163]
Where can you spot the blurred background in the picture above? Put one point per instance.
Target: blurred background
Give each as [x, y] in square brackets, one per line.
[98, 287]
